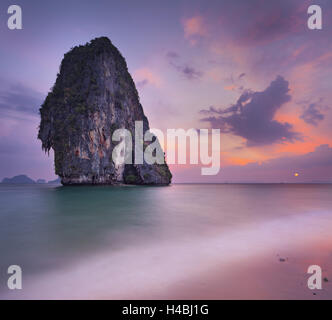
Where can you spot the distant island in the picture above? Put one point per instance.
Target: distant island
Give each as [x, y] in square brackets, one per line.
[56, 181]
[24, 179]
[20, 179]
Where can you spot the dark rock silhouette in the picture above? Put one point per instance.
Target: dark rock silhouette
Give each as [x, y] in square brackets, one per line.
[93, 96]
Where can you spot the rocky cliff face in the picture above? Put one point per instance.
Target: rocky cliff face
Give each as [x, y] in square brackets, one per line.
[93, 96]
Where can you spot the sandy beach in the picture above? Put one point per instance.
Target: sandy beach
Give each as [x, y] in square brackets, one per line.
[264, 261]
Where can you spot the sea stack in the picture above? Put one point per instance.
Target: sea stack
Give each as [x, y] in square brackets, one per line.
[94, 95]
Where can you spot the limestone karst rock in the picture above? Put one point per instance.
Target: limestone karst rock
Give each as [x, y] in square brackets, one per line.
[93, 96]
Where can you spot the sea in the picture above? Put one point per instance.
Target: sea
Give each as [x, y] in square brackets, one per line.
[183, 241]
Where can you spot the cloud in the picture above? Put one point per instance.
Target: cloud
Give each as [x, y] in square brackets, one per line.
[250, 34]
[185, 70]
[17, 99]
[189, 72]
[312, 114]
[315, 166]
[269, 20]
[194, 28]
[172, 55]
[142, 83]
[252, 116]
[145, 76]
[230, 87]
[234, 83]
[276, 21]
[312, 167]
[321, 157]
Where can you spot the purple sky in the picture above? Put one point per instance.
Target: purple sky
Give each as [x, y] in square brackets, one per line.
[251, 68]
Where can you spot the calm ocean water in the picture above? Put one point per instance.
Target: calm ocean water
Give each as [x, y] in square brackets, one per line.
[46, 229]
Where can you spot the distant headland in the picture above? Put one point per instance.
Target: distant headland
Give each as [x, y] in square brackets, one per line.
[24, 179]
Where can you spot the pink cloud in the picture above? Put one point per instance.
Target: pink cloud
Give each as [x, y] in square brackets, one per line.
[231, 87]
[313, 166]
[194, 28]
[146, 76]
